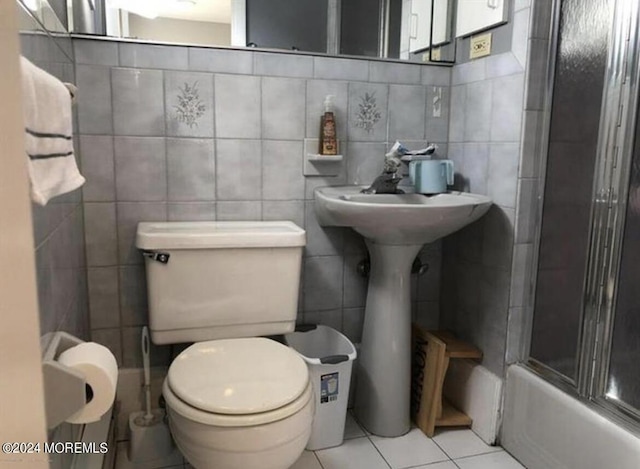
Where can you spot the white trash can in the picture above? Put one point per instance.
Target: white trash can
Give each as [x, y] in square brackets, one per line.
[329, 356]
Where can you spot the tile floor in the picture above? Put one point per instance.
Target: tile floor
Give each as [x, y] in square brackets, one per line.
[448, 449]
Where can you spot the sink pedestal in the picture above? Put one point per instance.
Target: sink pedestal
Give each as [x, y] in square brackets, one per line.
[384, 373]
[395, 227]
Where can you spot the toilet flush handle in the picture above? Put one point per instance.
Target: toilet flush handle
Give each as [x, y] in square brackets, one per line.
[162, 257]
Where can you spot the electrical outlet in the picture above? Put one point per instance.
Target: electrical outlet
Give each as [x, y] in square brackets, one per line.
[480, 46]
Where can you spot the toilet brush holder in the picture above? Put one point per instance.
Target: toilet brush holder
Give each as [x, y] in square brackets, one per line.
[149, 437]
[149, 434]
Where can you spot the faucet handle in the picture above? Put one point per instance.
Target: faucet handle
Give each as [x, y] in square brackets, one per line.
[391, 165]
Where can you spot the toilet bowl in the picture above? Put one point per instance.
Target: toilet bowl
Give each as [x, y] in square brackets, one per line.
[235, 400]
[239, 404]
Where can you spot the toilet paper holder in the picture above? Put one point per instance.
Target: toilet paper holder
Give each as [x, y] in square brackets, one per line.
[65, 390]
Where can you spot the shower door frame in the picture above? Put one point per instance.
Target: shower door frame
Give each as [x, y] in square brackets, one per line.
[611, 203]
[616, 139]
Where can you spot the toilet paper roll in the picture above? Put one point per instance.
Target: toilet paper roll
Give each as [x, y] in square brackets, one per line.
[100, 369]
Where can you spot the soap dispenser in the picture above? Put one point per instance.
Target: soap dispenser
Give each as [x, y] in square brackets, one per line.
[328, 140]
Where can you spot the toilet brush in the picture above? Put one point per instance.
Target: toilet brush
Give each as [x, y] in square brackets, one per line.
[149, 434]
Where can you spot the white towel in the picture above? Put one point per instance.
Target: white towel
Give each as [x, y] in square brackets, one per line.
[49, 135]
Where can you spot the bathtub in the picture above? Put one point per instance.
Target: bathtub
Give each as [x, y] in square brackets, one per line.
[545, 428]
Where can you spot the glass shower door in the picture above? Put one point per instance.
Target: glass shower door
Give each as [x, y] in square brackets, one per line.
[585, 336]
[583, 38]
[623, 381]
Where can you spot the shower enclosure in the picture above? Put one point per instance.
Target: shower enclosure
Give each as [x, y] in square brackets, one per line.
[585, 331]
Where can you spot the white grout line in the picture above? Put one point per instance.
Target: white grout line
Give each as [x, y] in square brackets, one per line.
[379, 452]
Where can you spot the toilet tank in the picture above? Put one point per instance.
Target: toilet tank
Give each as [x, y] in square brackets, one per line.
[214, 280]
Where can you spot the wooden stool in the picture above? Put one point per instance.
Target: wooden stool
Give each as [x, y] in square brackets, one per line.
[432, 352]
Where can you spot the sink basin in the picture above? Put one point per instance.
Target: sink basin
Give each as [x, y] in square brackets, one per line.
[398, 218]
[395, 227]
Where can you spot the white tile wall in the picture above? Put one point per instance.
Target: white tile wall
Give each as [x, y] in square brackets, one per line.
[239, 159]
[492, 135]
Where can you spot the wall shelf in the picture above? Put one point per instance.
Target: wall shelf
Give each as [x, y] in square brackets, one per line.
[321, 165]
[315, 158]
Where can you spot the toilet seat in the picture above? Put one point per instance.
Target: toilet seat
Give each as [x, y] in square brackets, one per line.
[237, 382]
[222, 420]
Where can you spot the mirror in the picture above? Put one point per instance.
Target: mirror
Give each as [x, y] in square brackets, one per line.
[370, 28]
[50, 14]
[426, 26]
[413, 30]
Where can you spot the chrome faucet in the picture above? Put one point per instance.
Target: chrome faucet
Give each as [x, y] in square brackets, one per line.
[387, 182]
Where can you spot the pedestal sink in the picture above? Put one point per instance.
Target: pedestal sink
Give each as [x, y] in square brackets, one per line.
[395, 227]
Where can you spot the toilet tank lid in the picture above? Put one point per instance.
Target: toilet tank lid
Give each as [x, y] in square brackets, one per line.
[219, 234]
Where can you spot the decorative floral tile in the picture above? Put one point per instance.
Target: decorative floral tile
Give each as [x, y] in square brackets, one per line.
[189, 104]
[368, 114]
[367, 120]
[190, 107]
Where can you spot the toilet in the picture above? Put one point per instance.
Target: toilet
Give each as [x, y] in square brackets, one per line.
[235, 399]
